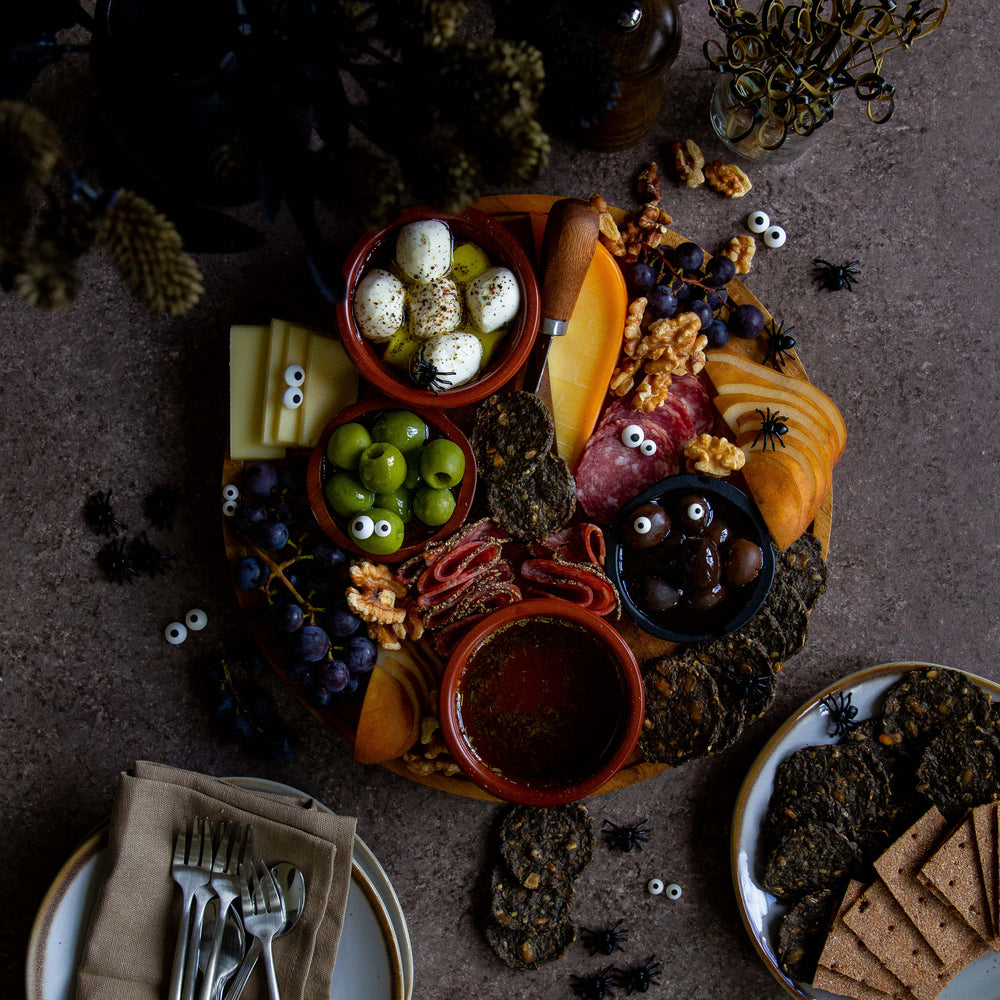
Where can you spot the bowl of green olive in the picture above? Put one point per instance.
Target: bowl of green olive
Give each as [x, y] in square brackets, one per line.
[384, 480]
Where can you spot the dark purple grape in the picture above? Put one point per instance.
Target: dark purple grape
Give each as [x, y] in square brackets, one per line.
[258, 702]
[341, 623]
[249, 573]
[662, 303]
[315, 694]
[685, 293]
[333, 675]
[360, 654]
[689, 256]
[275, 740]
[641, 277]
[310, 643]
[239, 727]
[296, 671]
[249, 514]
[287, 617]
[329, 556]
[702, 310]
[271, 535]
[720, 271]
[260, 479]
[292, 477]
[717, 333]
[285, 514]
[746, 321]
[715, 297]
[221, 702]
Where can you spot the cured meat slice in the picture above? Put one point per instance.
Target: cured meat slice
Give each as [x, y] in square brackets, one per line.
[460, 542]
[577, 583]
[689, 391]
[577, 543]
[493, 594]
[464, 561]
[610, 473]
[447, 592]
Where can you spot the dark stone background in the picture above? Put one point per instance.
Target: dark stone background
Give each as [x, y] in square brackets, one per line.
[104, 395]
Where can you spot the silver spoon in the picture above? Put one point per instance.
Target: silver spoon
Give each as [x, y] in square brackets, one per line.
[233, 946]
[292, 885]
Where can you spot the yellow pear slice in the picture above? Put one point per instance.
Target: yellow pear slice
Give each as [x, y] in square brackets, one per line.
[389, 723]
[779, 484]
[740, 412]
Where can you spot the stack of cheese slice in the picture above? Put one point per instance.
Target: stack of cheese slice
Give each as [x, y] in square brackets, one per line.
[791, 475]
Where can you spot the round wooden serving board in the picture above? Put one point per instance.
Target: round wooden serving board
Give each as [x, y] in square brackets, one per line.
[343, 721]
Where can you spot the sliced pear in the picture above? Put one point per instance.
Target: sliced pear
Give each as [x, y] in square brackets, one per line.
[389, 723]
[740, 412]
[777, 482]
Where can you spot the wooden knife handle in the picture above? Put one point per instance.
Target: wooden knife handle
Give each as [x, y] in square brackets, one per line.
[568, 247]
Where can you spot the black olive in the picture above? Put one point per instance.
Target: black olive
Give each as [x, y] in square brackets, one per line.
[646, 526]
[654, 594]
[700, 563]
[743, 561]
[693, 514]
[705, 600]
[718, 531]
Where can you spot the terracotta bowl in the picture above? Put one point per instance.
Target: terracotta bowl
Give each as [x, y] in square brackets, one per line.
[503, 249]
[417, 534]
[541, 703]
[741, 603]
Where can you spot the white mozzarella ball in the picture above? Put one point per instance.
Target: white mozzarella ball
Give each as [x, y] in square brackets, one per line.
[455, 359]
[435, 307]
[379, 302]
[423, 249]
[493, 298]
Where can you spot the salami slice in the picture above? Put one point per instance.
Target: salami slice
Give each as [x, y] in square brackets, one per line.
[577, 583]
[689, 391]
[576, 543]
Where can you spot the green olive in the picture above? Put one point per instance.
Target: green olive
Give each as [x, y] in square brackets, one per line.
[382, 467]
[442, 463]
[433, 507]
[399, 501]
[346, 444]
[402, 428]
[346, 495]
[378, 531]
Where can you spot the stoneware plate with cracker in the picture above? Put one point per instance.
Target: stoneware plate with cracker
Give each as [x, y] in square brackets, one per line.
[812, 724]
[374, 959]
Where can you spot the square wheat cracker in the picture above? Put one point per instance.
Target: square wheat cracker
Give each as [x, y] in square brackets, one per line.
[984, 819]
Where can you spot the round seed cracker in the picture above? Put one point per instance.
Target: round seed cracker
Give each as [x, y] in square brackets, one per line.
[802, 934]
[535, 505]
[958, 769]
[511, 433]
[809, 858]
[546, 846]
[803, 565]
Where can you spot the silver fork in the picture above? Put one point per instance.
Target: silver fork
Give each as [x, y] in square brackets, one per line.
[191, 869]
[263, 914]
[202, 895]
[225, 884]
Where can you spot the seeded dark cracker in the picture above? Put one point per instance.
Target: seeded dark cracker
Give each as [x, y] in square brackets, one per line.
[927, 700]
[789, 611]
[958, 769]
[546, 846]
[684, 715]
[802, 933]
[742, 669]
[803, 565]
[536, 504]
[812, 857]
[528, 927]
[511, 433]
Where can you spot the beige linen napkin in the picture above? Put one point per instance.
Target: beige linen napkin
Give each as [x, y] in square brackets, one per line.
[133, 932]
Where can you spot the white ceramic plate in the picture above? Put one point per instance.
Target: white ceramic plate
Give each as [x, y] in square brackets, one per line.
[761, 912]
[374, 960]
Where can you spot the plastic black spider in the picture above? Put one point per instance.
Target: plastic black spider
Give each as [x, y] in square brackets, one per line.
[596, 987]
[744, 685]
[624, 838]
[842, 713]
[115, 561]
[772, 429]
[606, 942]
[640, 977]
[833, 277]
[425, 375]
[161, 505]
[779, 346]
[98, 513]
[146, 557]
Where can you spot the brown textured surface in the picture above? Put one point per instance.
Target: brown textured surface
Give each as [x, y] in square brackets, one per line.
[104, 395]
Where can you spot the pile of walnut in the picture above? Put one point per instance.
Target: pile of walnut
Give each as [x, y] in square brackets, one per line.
[382, 603]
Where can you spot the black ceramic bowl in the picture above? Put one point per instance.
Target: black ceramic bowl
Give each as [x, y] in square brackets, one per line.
[626, 565]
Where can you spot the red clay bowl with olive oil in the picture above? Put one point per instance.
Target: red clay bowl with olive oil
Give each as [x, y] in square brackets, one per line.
[691, 558]
[360, 449]
[385, 356]
[541, 703]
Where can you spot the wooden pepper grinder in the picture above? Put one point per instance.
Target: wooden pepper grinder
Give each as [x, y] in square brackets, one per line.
[642, 38]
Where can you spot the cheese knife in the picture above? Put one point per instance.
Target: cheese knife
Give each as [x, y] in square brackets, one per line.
[568, 246]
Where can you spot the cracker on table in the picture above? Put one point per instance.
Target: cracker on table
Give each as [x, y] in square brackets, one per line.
[941, 926]
[844, 954]
[984, 820]
[885, 929]
[953, 872]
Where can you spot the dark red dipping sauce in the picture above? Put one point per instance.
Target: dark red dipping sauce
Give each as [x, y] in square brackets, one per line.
[542, 702]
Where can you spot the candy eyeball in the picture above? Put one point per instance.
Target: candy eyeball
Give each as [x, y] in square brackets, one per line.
[654, 886]
[774, 237]
[295, 375]
[674, 891]
[382, 529]
[362, 527]
[633, 436]
[292, 398]
[648, 447]
[757, 222]
[230, 492]
[229, 508]
[175, 633]
[693, 514]
[646, 526]
[196, 619]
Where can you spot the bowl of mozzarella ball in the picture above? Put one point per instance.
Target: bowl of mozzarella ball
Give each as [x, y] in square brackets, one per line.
[440, 310]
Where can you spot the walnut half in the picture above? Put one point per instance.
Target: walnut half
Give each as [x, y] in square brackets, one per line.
[713, 456]
[727, 179]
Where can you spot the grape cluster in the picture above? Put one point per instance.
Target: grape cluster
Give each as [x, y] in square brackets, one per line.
[244, 711]
[685, 279]
[122, 558]
[302, 596]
